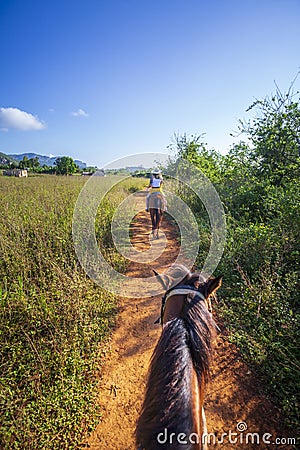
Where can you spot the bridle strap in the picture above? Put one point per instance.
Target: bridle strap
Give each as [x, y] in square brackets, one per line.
[180, 291]
[183, 291]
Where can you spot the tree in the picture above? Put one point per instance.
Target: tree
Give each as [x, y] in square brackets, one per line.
[275, 135]
[193, 149]
[31, 163]
[34, 162]
[24, 163]
[65, 166]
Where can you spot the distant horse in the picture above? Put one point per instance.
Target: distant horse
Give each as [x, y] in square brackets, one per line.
[172, 415]
[156, 208]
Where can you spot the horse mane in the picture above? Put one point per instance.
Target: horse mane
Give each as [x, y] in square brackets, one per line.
[185, 343]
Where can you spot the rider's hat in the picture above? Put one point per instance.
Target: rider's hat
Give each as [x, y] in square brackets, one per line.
[156, 172]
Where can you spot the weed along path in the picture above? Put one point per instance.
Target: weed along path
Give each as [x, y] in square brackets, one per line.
[233, 398]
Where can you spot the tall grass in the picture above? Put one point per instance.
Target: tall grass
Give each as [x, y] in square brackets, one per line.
[54, 319]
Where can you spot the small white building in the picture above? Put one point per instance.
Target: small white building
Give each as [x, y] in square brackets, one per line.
[16, 173]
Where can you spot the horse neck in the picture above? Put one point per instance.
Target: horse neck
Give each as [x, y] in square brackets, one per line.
[177, 375]
[202, 326]
[168, 398]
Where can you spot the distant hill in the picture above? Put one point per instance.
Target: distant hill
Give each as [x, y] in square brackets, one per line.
[46, 160]
[6, 159]
[134, 168]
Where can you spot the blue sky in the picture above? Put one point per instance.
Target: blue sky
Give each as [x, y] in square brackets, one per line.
[99, 80]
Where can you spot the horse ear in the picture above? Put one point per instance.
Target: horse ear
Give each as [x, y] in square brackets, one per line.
[160, 279]
[213, 285]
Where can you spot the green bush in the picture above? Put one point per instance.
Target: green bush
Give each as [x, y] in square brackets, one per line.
[259, 188]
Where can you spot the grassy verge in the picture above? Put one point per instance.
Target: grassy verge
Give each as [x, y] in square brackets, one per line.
[54, 319]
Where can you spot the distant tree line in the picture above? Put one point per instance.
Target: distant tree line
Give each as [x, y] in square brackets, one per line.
[64, 165]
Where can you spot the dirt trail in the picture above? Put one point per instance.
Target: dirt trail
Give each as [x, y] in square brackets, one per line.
[233, 395]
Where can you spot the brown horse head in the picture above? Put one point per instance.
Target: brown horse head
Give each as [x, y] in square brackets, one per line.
[180, 275]
[179, 366]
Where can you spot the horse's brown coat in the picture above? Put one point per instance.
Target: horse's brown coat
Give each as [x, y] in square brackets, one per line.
[173, 308]
[189, 315]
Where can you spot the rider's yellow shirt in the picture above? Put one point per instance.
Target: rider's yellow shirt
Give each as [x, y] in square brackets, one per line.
[156, 189]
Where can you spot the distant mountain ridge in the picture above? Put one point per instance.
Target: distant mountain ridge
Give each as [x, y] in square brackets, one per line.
[45, 160]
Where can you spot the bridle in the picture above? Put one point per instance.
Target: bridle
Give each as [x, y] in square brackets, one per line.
[185, 291]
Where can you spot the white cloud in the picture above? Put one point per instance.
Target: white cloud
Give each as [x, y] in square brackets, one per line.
[19, 120]
[79, 113]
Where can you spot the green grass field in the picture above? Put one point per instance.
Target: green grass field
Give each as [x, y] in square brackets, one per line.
[55, 321]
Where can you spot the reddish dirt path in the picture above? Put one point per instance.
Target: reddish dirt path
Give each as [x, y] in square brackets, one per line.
[233, 395]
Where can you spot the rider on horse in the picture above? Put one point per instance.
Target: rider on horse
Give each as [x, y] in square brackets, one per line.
[155, 184]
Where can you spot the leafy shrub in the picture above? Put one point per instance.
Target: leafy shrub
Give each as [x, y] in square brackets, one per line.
[259, 188]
